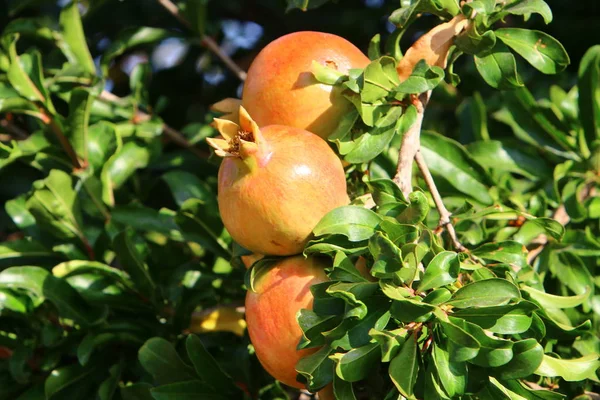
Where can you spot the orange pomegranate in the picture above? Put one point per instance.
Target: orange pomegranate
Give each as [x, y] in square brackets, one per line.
[271, 314]
[275, 184]
[280, 89]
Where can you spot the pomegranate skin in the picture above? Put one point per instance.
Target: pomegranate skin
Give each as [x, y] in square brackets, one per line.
[271, 314]
[273, 207]
[280, 89]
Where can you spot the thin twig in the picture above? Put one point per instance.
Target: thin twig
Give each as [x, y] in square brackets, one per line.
[13, 130]
[410, 146]
[173, 134]
[206, 41]
[64, 142]
[439, 203]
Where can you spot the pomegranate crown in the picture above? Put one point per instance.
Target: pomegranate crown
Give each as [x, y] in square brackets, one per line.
[240, 141]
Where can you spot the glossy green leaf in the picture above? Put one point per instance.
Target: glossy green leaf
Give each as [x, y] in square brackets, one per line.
[527, 356]
[422, 79]
[448, 159]
[317, 368]
[131, 38]
[131, 262]
[498, 68]
[570, 370]
[121, 166]
[208, 369]
[161, 360]
[540, 49]
[356, 223]
[404, 368]
[453, 375]
[71, 26]
[442, 270]
[61, 380]
[527, 7]
[80, 105]
[588, 99]
[509, 252]
[506, 320]
[509, 157]
[358, 363]
[548, 300]
[486, 293]
[41, 283]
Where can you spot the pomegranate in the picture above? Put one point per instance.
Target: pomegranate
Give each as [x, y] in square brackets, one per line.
[280, 89]
[275, 184]
[271, 314]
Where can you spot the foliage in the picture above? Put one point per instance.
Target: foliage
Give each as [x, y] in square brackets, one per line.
[117, 252]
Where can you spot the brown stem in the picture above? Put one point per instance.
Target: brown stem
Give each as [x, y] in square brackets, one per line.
[176, 136]
[410, 146]
[206, 41]
[439, 203]
[64, 142]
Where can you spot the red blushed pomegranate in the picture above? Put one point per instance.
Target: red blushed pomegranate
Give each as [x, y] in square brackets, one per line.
[280, 89]
[271, 314]
[275, 184]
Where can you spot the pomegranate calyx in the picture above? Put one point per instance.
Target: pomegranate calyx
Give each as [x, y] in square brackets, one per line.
[229, 107]
[243, 141]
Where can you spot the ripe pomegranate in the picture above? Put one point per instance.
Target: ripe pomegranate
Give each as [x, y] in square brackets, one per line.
[271, 314]
[275, 184]
[280, 89]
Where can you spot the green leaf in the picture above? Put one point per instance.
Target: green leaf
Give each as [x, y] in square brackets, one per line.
[326, 74]
[387, 257]
[509, 252]
[509, 157]
[199, 222]
[22, 252]
[55, 206]
[379, 79]
[161, 360]
[18, 77]
[344, 270]
[9, 300]
[527, 7]
[527, 356]
[62, 379]
[76, 267]
[342, 389]
[389, 341]
[121, 166]
[499, 68]
[109, 386]
[80, 105]
[146, 219]
[354, 222]
[70, 25]
[462, 346]
[358, 363]
[93, 341]
[353, 294]
[188, 390]
[472, 42]
[374, 50]
[422, 79]
[404, 368]
[304, 4]
[316, 368]
[540, 49]
[386, 191]
[417, 210]
[411, 310]
[442, 270]
[571, 271]
[547, 300]
[552, 227]
[449, 160]
[102, 142]
[573, 370]
[588, 99]
[208, 369]
[130, 261]
[196, 14]
[505, 320]
[42, 284]
[453, 375]
[375, 140]
[486, 293]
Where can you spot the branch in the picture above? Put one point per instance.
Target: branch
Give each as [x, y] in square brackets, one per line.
[206, 41]
[173, 134]
[410, 146]
[439, 204]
